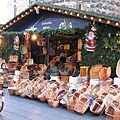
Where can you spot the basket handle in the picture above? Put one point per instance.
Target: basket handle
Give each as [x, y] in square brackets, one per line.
[111, 115]
[83, 103]
[97, 103]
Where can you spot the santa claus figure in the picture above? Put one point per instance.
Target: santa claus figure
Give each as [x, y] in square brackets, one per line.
[90, 40]
[26, 35]
[16, 42]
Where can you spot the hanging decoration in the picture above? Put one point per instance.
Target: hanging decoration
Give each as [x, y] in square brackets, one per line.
[90, 40]
[26, 35]
[16, 42]
[37, 10]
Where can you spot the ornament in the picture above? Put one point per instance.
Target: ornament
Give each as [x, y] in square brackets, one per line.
[16, 42]
[90, 40]
[26, 35]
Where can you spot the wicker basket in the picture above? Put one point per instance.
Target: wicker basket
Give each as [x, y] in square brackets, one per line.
[41, 97]
[94, 71]
[71, 105]
[11, 91]
[112, 113]
[53, 103]
[23, 94]
[104, 73]
[16, 91]
[108, 82]
[97, 106]
[82, 105]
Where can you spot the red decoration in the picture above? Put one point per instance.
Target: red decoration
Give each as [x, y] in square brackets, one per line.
[16, 42]
[26, 35]
[90, 40]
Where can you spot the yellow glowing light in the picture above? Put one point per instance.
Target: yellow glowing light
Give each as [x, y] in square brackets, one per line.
[92, 18]
[22, 15]
[117, 34]
[14, 21]
[100, 20]
[26, 13]
[59, 10]
[78, 14]
[38, 6]
[53, 9]
[71, 13]
[48, 8]
[85, 16]
[117, 24]
[34, 37]
[35, 8]
[31, 10]
[65, 12]
[108, 22]
[43, 7]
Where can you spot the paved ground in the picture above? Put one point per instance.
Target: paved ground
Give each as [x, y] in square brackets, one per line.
[17, 108]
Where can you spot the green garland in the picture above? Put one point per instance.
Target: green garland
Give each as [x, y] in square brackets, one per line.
[102, 55]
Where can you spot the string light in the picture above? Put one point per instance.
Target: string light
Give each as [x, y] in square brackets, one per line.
[48, 8]
[108, 22]
[31, 10]
[59, 10]
[65, 12]
[78, 14]
[92, 18]
[14, 21]
[53, 9]
[18, 18]
[85, 16]
[35, 8]
[38, 6]
[117, 34]
[117, 24]
[100, 19]
[71, 13]
[26, 13]
[22, 15]
[43, 7]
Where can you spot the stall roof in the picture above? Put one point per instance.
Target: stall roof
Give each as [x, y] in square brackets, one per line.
[29, 13]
